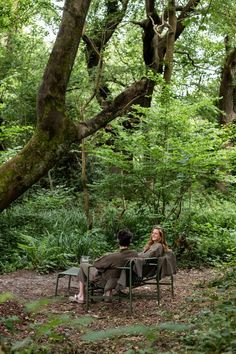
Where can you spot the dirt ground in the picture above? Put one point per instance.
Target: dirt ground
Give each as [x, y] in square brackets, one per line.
[27, 286]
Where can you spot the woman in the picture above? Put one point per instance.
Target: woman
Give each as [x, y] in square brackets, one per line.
[156, 245]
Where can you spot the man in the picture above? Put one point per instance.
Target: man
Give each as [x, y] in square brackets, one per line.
[104, 270]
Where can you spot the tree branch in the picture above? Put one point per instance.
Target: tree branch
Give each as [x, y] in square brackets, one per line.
[120, 106]
[186, 10]
[98, 40]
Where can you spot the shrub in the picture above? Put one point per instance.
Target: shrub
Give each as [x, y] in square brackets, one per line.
[215, 327]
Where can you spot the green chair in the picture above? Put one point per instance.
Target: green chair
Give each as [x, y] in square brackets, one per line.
[151, 273]
[71, 272]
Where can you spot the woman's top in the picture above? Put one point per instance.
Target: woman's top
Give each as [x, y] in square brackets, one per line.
[156, 250]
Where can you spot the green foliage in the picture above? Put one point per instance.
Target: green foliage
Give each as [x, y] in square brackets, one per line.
[167, 172]
[175, 151]
[216, 328]
[42, 255]
[228, 281]
[115, 216]
[5, 296]
[36, 306]
[13, 135]
[59, 251]
[47, 234]
[23, 55]
[50, 331]
[50, 231]
[209, 232]
[10, 322]
[151, 332]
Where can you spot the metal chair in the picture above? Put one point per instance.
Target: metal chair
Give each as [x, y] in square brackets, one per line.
[71, 272]
[151, 274]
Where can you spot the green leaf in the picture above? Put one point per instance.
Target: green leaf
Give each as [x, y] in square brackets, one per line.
[17, 346]
[115, 332]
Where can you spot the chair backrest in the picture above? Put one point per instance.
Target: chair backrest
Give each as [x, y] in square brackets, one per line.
[167, 264]
[150, 267]
[142, 268]
[147, 268]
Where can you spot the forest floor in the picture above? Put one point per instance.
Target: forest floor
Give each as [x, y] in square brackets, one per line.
[28, 286]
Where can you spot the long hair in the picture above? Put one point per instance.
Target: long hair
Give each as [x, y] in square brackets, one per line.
[162, 241]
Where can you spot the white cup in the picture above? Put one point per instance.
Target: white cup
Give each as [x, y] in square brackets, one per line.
[84, 259]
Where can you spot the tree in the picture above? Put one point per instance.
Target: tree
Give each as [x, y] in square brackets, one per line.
[55, 132]
[224, 27]
[227, 90]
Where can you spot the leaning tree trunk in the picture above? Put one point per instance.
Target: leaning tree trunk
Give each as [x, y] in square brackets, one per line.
[54, 130]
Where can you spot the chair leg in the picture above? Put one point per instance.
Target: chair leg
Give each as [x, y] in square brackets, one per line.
[87, 299]
[57, 285]
[172, 285]
[87, 291]
[69, 282]
[130, 302]
[119, 296]
[158, 287]
[130, 292]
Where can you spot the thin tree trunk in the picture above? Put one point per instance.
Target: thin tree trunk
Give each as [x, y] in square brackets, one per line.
[54, 130]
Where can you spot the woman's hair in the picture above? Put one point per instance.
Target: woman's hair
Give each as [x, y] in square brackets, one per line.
[162, 241]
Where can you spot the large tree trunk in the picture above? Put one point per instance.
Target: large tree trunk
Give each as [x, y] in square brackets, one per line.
[54, 131]
[227, 103]
[227, 96]
[33, 162]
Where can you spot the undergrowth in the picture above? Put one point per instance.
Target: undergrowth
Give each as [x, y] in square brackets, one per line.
[48, 231]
